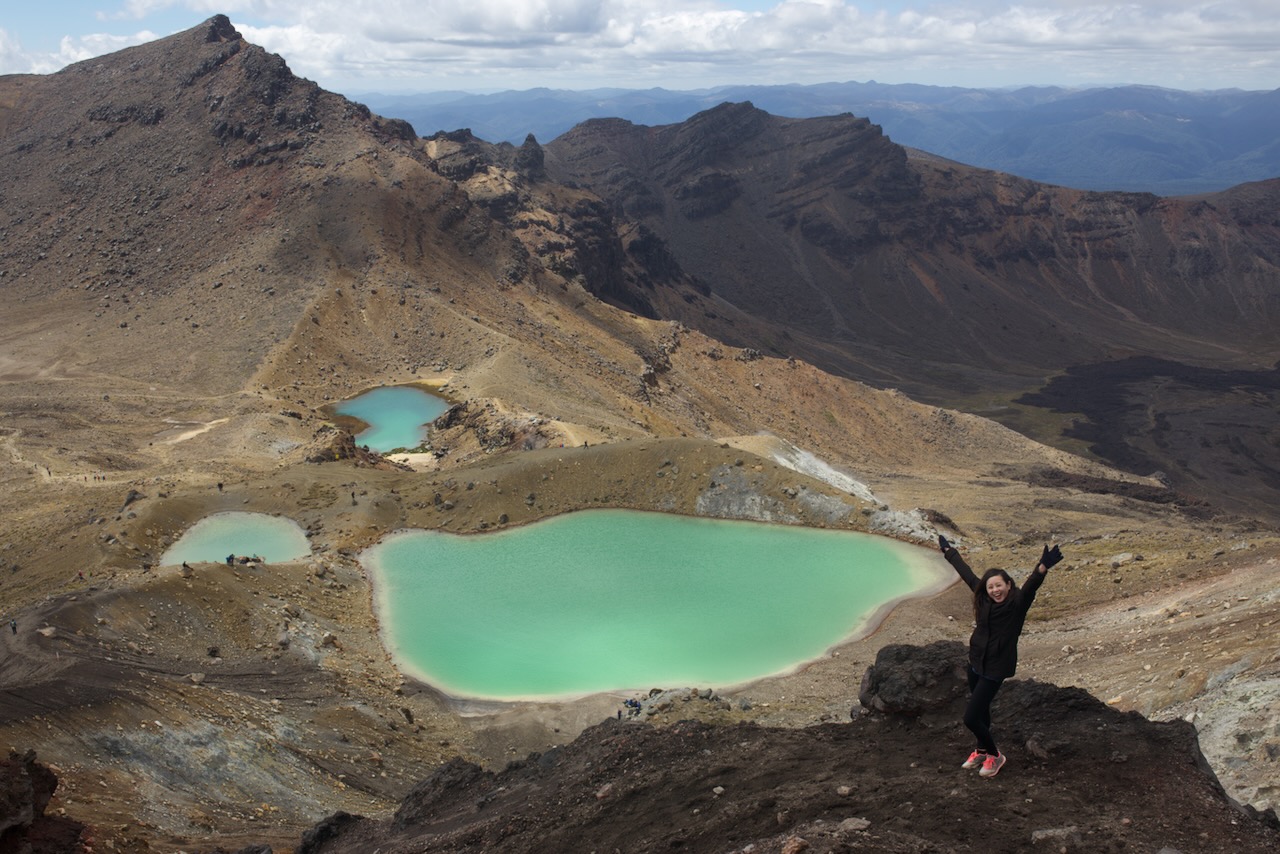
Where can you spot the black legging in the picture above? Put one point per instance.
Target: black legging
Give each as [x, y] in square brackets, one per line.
[977, 715]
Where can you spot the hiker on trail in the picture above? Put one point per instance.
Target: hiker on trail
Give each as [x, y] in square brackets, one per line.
[999, 610]
[13, 626]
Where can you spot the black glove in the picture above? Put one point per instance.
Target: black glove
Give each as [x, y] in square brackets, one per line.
[1050, 556]
[943, 544]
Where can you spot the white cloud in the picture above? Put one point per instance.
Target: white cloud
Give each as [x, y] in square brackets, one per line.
[593, 42]
[13, 59]
[96, 44]
[411, 44]
[136, 9]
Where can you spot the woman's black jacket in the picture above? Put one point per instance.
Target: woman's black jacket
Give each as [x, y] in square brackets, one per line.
[993, 647]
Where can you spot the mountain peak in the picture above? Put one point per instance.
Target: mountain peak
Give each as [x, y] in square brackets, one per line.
[219, 29]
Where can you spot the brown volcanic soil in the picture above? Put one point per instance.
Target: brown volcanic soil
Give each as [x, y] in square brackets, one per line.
[301, 261]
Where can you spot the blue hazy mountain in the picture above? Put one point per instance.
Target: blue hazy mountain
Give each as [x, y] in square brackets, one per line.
[1140, 138]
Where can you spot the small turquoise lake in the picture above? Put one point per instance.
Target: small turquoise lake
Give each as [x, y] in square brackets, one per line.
[272, 538]
[397, 416]
[605, 600]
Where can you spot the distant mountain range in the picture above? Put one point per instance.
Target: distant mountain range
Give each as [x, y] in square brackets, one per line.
[1137, 138]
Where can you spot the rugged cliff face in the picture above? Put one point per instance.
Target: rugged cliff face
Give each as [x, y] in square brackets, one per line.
[968, 287]
[832, 231]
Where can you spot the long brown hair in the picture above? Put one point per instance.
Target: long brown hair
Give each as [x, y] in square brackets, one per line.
[980, 592]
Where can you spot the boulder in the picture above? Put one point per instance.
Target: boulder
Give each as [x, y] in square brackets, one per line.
[26, 788]
[910, 680]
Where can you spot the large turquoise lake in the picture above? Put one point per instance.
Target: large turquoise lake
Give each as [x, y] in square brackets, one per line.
[605, 600]
[397, 416]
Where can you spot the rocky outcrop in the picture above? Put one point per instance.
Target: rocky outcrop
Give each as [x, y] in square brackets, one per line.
[484, 425]
[26, 787]
[883, 782]
[464, 157]
[331, 445]
[530, 159]
[911, 680]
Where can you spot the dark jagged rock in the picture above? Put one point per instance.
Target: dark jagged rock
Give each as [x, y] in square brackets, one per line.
[880, 783]
[471, 156]
[911, 680]
[395, 129]
[219, 29]
[530, 159]
[26, 787]
[333, 827]
[601, 257]
[454, 774]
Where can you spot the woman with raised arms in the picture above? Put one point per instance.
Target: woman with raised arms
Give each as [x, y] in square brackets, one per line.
[999, 610]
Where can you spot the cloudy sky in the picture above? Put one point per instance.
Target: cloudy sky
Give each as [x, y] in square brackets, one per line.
[355, 46]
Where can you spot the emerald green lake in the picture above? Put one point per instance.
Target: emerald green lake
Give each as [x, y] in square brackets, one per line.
[397, 416]
[604, 600]
[273, 538]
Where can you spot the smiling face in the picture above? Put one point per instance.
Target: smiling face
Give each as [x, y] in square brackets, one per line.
[997, 588]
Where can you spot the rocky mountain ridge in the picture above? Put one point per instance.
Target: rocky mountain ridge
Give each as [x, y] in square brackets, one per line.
[976, 262]
[1134, 138]
[962, 287]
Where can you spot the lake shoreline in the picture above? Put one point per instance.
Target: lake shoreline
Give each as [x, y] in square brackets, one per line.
[633, 596]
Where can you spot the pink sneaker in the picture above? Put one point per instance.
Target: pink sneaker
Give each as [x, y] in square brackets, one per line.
[991, 765]
[974, 760]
